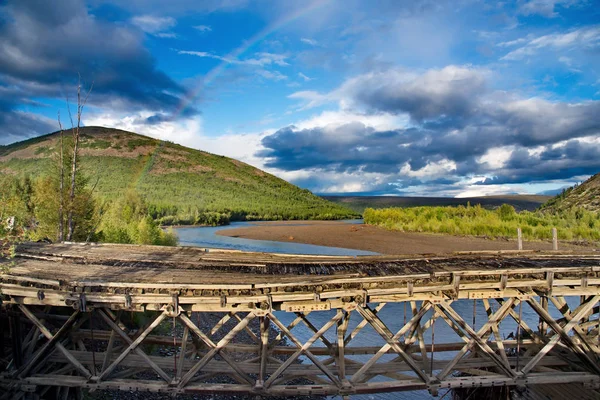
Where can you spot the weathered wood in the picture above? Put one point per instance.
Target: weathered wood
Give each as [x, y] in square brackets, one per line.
[303, 349]
[53, 341]
[133, 345]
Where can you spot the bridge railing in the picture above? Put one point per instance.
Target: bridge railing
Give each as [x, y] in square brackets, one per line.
[423, 332]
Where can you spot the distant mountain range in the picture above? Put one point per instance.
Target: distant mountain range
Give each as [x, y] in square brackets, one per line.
[173, 179]
[359, 203]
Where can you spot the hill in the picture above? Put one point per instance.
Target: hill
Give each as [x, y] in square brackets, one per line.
[585, 195]
[359, 203]
[177, 182]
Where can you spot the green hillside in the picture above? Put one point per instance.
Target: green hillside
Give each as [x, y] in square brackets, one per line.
[177, 183]
[586, 196]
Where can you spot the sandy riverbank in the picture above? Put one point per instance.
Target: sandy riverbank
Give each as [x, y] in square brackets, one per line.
[364, 237]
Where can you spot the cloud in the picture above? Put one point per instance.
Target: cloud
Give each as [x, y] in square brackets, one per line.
[152, 24]
[586, 37]
[17, 124]
[438, 127]
[203, 28]
[450, 91]
[166, 35]
[545, 8]
[272, 75]
[260, 59]
[310, 42]
[176, 7]
[306, 78]
[45, 46]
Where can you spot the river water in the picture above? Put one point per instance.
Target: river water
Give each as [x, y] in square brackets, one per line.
[207, 237]
[393, 314]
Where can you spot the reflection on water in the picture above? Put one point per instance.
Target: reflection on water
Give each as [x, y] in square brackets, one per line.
[393, 314]
[207, 237]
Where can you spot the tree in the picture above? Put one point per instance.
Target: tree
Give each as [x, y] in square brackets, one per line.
[48, 202]
[61, 190]
[127, 221]
[75, 131]
[50, 194]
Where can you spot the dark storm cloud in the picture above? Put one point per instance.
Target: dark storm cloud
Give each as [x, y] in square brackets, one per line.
[45, 45]
[455, 118]
[348, 148]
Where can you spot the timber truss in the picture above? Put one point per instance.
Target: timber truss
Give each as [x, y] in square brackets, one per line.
[478, 328]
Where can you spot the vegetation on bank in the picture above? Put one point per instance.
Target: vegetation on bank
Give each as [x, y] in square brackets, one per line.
[574, 224]
[31, 209]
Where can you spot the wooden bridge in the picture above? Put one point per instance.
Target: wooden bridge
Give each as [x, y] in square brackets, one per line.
[186, 320]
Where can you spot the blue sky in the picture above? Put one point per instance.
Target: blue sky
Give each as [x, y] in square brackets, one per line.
[423, 98]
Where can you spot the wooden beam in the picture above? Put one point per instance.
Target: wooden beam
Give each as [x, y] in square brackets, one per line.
[215, 348]
[53, 341]
[563, 332]
[391, 340]
[303, 349]
[133, 345]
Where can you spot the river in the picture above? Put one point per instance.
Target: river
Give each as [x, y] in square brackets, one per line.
[207, 237]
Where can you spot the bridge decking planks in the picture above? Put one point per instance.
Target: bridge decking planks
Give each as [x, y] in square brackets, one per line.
[187, 265]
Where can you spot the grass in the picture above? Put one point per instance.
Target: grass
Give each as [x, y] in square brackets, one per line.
[476, 221]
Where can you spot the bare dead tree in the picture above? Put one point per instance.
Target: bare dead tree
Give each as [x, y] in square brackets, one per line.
[61, 190]
[75, 132]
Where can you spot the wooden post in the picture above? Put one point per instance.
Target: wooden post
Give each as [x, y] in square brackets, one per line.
[519, 239]
[554, 239]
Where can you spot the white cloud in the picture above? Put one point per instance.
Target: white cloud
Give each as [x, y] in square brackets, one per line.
[311, 98]
[272, 75]
[582, 37]
[260, 59]
[546, 8]
[152, 24]
[512, 43]
[308, 41]
[203, 28]
[166, 35]
[496, 157]
[334, 119]
[487, 190]
[306, 78]
[431, 170]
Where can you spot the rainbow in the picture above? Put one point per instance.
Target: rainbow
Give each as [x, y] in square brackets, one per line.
[235, 54]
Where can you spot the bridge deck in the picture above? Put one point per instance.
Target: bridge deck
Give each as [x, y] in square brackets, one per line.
[189, 265]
